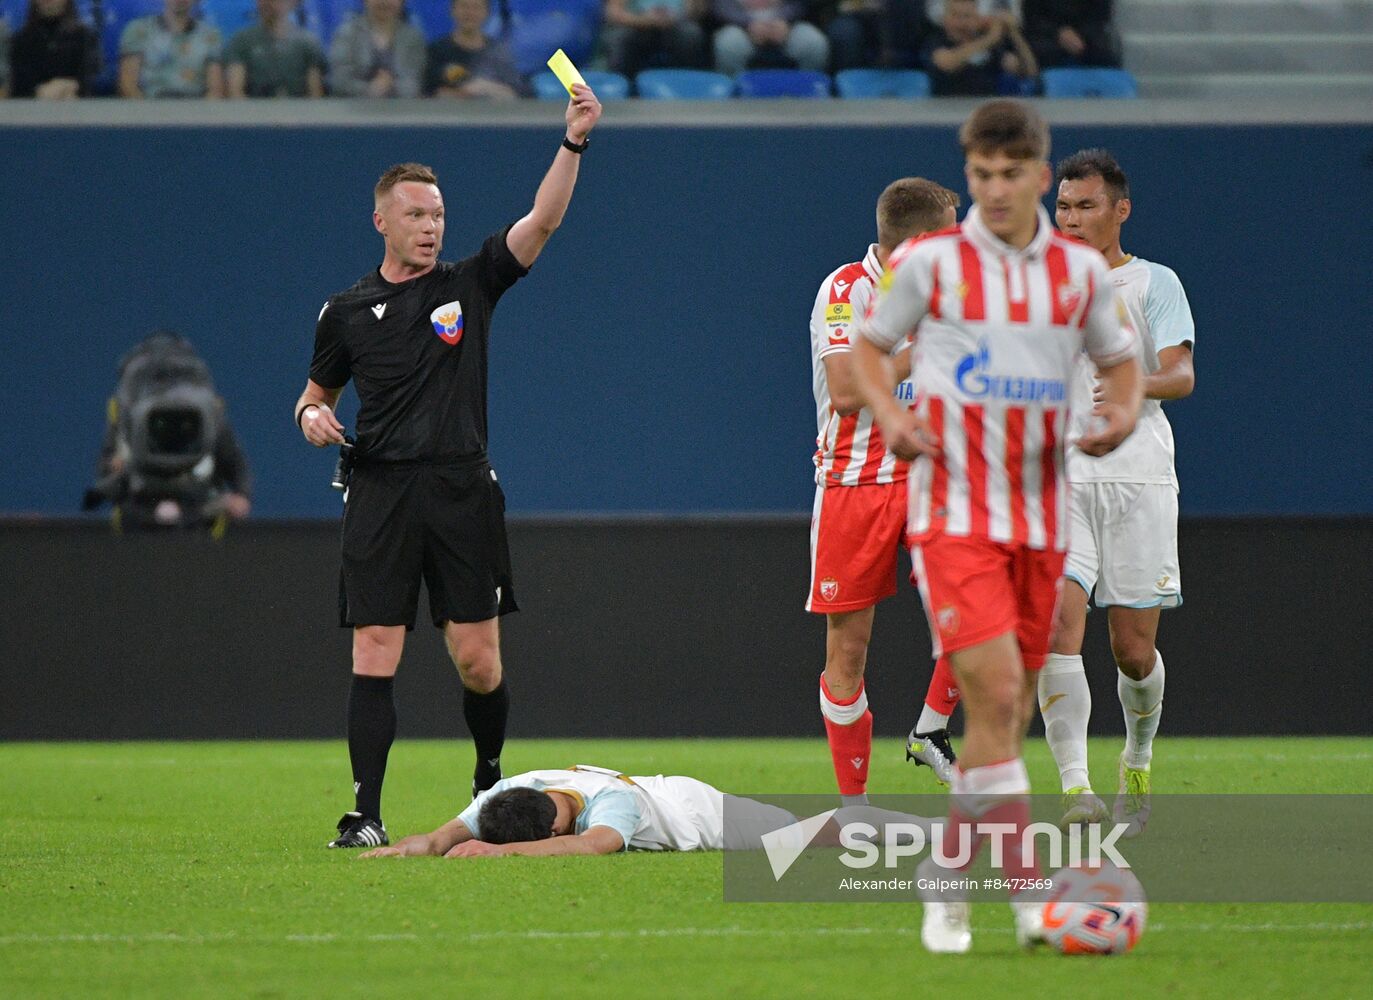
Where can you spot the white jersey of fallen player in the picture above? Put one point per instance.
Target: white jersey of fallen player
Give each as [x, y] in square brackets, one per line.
[849, 450]
[651, 813]
[1000, 331]
[1157, 305]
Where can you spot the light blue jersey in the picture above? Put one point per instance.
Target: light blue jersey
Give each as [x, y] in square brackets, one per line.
[1157, 306]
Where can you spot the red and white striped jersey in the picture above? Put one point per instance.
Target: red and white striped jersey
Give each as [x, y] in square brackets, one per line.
[1000, 330]
[848, 449]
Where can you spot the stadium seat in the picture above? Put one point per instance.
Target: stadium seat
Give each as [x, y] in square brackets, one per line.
[229, 16]
[683, 85]
[882, 83]
[1089, 83]
[536, 29]
[782, 83]
[608, 86]
[433, 17]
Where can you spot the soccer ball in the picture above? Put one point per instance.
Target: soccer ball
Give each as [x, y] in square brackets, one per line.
[1094, 911]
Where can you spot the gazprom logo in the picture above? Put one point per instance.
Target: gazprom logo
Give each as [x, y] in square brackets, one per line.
[974, 377]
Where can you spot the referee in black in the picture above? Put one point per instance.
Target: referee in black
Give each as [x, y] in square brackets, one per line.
[423, 500]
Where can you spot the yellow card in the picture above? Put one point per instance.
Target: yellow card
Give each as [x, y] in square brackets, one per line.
[564, 70]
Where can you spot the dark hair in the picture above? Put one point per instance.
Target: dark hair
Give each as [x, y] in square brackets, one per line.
[1095, 162]
[909, 207]
[402, 172]
[516, 815]
[1006, 126]
[66, 16]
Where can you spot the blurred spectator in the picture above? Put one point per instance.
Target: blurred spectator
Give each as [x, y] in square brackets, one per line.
[470, 63]
[169, 457]
[275, 57]
[377, 54]
[1071, 32]
[4, 57]
[55, 54]
[934, 9]
[905, 33]
[642, 34]
[855, 31]
[767, 34]
[170, 55]
[974, 55]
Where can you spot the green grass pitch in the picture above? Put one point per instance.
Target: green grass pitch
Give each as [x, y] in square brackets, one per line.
[199, 869]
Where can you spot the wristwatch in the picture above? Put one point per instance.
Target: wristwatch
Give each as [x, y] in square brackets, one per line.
[569, 144]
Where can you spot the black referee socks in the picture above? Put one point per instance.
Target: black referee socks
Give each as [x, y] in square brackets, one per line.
[371, 731]
[486, 715]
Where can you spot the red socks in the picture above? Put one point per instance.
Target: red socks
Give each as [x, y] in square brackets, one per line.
[848, 726]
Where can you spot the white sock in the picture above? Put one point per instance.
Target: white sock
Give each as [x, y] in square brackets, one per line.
[930, 720]
[1065, 701]
[1142, 704]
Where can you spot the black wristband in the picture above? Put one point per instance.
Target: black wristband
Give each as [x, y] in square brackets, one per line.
[579, 150]
[300, 417]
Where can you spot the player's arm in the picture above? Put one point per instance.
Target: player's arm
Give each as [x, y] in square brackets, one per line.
[315, 414]
[425, 845]
[902, 302]
[1175, 378]
[596, 840]
[1113, 346]
[527, 237]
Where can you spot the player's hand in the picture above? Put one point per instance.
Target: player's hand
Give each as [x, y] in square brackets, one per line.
[1110, 424]
[908, 435]
[583, 112]
[320, 426]
[236, 505]
[476, 849]
[382, 852]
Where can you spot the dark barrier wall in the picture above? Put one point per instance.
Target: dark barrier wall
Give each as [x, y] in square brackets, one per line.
[669, 628]
[657, 359]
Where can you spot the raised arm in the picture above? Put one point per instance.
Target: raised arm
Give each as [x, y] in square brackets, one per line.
[527, 237]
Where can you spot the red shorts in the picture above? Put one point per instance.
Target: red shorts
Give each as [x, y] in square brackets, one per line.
[975, 589]
[855, 534]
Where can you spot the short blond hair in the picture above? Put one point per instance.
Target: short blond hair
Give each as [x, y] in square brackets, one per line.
[911, 206]
[402, 172]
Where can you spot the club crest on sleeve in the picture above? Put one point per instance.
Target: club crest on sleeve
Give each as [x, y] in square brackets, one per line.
[1069, 297]
[447, 321]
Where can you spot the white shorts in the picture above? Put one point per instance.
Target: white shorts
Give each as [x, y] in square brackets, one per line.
[1123, 541]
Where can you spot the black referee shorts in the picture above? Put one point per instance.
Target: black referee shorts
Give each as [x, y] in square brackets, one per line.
[444, 523]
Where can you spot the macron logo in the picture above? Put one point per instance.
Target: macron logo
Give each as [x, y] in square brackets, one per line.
[379, 309]
[784, 846]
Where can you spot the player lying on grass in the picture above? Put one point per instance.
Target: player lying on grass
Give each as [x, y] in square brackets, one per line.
[590, 810]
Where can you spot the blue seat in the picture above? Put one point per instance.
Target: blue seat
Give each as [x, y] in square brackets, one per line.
[433, 17]
[782, 83]
[608, 86]
[1089, 83]
[862, 83]
[229, 16]
[536, 29]
[683, 85]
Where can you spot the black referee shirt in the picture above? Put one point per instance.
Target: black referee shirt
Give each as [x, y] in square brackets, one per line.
[416, 352]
